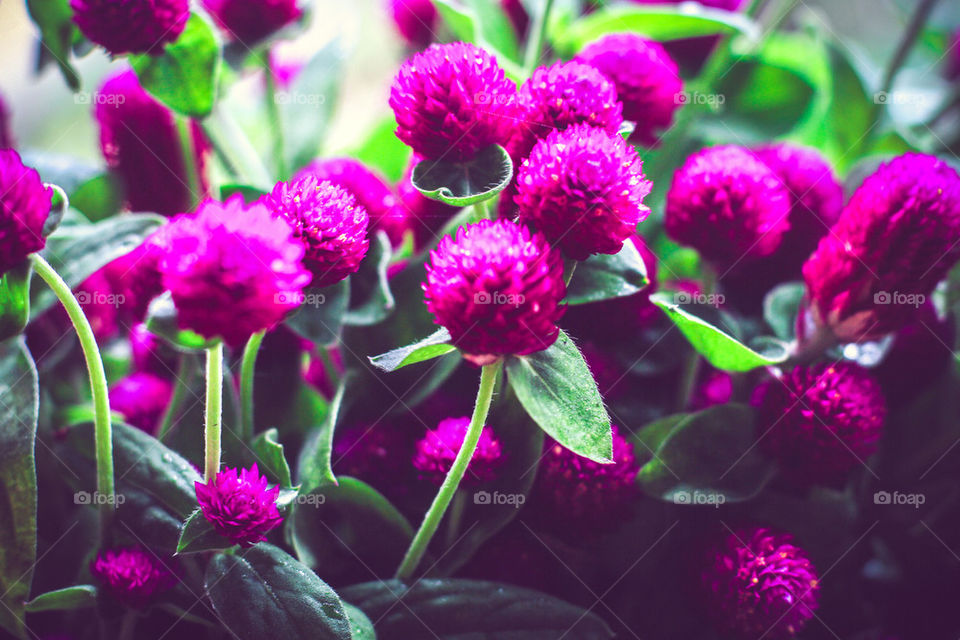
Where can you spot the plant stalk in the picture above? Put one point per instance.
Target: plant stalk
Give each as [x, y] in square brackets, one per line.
[214, 408]
[247, 370]
[537, 36]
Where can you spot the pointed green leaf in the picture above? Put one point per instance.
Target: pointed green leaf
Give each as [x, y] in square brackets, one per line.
[269, 454]
[314, 468]
[67, 599]
[604, 276]
[433, 346]
[464, 183]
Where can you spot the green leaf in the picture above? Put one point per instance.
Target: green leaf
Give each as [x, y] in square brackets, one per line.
[313, 466]
[248, 192]
[18, 482]
[372, 276]
[320, 316]
[306, 108]
[197, 535]
[81, 596]
[54, 18]
[434, 345]
[719, 348]
[360, 626]
[709, 457]
[604, 276]
[483, 23]
[461, 609]
[98, 198]
[464, 183]
[162, 321]
[185, 76]
[264, 593]
[269, 454]
[15, 300]
[556, 388]
[781, 306]
[59, 204]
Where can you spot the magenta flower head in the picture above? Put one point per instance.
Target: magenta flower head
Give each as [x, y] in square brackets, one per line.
[240, 505]
[6, 137]
[728, 205]
[233, 269]
[24, 207]
[559, 96]
[415, 21]
[820, 422]
[141, 398]
[896, 239]
[137, 278]
[497, 288]
[757, 582]
[131, 26]
[436, 451]
[451, 101]
[647, 81]
[581, 490]
[139, 140]
[249, 21]
[583, 189]
[329, 222]
[132, 574]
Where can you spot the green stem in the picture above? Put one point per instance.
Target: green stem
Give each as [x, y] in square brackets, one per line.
[247, 367]
[188, 153]
[456, 516]
[212, 426]
[234, 149]
[128, 624]
[488, 379]
[273, 114]
[333, 374]
[103, 431]
[180, 385]
[535, 43]
[569, 270]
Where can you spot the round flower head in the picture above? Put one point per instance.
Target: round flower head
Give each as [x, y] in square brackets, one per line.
[131, 26]
[583, 189]
[896, 239]
[6, 138]
[415, 21]
[141, 398]
[137, 278]
[240, 505]
[133, 575]
[581, 490]
[715, 387]
[233, 269]
[820, 422]
[497, 288]
[757, 582]
[329, 222]
[647, 81]
[249, 21]
[150, 354]
[139, 140]
[451, 101]
[559, 96]
[728, 205]
[24, 208]
[436, 451]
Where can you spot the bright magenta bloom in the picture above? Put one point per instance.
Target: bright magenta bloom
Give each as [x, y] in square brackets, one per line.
[131, 26]
[415, 21]
[249, 21]
[133, 575]
[436, 451]
[240, 505]
[24, 208]
[141, 398]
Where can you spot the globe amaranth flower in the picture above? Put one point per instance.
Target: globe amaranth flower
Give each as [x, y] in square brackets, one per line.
[131, 26]
[141, 398]
[329, 222]
[249, 21]
[6, 137]
[757, 582]
[451, 101]
[820, 422]
[140, 142]
[583, 189]
[896, 239]
[415, 20]
[233, 269]
[579, 490]
[728, 205]
[24, 207]
[714, 387]
[436, 451]
[240, 505]
[497, 288]
[559, 96]
[646, 78]
[135, 277]
[132, 574]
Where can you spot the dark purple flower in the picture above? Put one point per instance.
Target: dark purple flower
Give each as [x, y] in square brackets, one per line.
[715, 387]
[141, 398]
[728, 205]
[249, 21]
[896, 239]
[436, 451]
[379, 455]
[647, 81]
[921, 352]
[240, 505]
[136, 277]
[497, 288]
[24, 207]
[759, 583]
[131, 26]
[820, 422]
[415, 21]
[329, 222]
[133, 575]
[451, 101]
[233, 269]
[583, 189]
[6, 137]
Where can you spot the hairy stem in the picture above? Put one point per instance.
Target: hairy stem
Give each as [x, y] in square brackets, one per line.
[214, 409]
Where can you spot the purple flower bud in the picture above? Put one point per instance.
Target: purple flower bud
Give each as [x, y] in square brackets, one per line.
[415, 21]
[249, 21]
[715, 387]
[436, 451]
[759, 583]
[497, 288]
[24, 208]
[451, 101]
[131, 26]
[141, 398]
[896, 239]
[133, 575]
[240, 505]
[583, 189]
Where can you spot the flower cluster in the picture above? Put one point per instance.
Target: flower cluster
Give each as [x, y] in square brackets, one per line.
[24, 207]
[131, 26]
[132, 574]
